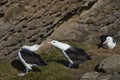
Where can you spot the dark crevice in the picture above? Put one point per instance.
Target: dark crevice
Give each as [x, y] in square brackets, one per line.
[50, 26]
[3, 2]
[99, 70]
[2, 14]
[76, 11]
[89, 5]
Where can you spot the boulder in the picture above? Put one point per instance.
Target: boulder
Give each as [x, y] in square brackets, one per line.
[110, 64]
[99, 76]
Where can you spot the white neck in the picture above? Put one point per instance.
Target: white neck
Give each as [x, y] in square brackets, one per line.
[62, 46]
[31, 48]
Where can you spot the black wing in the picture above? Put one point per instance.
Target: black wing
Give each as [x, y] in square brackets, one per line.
[102, 40]
[77, 54]
[31, 58]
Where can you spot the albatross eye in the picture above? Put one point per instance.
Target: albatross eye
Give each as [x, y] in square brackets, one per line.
[36, 46]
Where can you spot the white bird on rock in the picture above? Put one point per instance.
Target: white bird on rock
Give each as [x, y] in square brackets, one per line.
[110, 42]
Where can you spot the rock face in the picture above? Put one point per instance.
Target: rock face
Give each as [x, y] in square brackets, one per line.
[90, 76]
[98, 76]
[26, 22]
[92, 22]
[111, 64]
[95, 76]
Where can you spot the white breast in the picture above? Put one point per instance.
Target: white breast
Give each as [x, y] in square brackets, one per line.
[111, 45]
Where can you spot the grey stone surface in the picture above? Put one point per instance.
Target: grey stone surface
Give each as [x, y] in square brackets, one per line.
[90, 76]
[111, 64]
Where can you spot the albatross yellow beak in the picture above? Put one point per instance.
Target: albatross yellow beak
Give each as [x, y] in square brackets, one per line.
[105, 42]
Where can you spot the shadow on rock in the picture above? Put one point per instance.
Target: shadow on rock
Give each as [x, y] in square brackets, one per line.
[98, 69]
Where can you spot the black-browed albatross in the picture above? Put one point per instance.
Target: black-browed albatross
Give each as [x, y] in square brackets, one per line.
[74, 55]
[28, 57]
[110, 42]
[107, 42]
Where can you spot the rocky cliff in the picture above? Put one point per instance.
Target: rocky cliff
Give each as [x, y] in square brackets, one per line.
[26, 22]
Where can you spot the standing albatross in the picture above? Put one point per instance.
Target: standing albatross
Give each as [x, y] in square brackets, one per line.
[28, 58]
[74, 55]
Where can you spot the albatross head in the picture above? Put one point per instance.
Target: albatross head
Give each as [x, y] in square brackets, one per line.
[110, 42]
[33, 47]
[60, 45]
[53, 42]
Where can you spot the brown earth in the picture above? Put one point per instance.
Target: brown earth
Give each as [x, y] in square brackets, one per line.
[26, 22]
